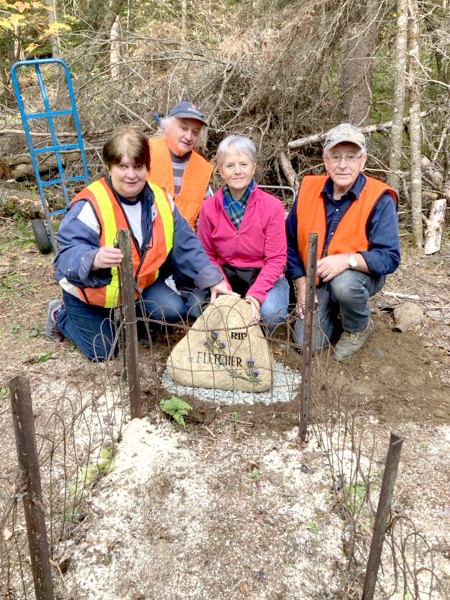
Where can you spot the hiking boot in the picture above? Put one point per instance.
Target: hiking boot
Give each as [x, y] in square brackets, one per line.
[51, 331]
[351, 342]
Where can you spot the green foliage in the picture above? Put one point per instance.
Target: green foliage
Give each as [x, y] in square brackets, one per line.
[26, 28]
[255, 474]
[15, 328]
[312, 526]
[10, 283]
[87, 476]
[44, 357]
[355, 495]
[37, 329]
[176, 408]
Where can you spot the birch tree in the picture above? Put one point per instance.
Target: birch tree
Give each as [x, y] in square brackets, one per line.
[399, 94]
[415, 123]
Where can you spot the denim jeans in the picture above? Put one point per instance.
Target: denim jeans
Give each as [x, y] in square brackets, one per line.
[92, 328]
[274, 309]
[347, 295]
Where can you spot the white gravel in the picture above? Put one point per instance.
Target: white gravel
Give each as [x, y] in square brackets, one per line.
[284, 389]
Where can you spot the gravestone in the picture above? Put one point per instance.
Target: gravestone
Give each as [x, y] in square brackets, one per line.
[223, 350]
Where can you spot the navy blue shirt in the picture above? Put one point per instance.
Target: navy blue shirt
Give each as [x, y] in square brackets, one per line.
[383, 255]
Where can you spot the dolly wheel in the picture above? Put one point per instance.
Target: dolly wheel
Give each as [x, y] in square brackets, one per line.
[41, 236]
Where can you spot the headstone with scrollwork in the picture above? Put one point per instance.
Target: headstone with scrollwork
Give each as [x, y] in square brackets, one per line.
[224, 350]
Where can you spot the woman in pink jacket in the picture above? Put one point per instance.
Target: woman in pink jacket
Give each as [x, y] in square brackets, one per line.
[242, 230]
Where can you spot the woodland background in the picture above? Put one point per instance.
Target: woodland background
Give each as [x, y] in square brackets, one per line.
[276, 71]
[282, 73]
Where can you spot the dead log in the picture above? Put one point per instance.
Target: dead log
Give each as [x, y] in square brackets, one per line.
[411, 296]
[430, 171]
[17, 202]
[288, 170]
[21, 166]
[319, 137]
[435, 226]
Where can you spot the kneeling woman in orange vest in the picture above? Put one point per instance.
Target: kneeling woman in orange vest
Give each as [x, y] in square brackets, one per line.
[87, 261]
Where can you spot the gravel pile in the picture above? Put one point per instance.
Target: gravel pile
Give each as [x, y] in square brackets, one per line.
[284, 389]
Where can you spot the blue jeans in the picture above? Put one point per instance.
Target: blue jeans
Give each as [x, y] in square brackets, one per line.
[346, 294]
[274, 309]
[93, 330]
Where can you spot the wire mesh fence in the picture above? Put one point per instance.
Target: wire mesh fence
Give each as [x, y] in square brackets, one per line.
[79, 427]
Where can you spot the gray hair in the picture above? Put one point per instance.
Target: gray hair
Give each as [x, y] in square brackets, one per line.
[167, 122]
[240, 143]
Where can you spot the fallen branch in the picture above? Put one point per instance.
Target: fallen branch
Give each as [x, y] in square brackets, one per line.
[412, 297]
[318, 137]
[59, 134]
[288, 170]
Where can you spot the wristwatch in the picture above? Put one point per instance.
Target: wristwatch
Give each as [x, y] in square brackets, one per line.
[352, 261]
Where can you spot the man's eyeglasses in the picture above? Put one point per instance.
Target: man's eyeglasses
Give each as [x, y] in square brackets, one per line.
[350, 159]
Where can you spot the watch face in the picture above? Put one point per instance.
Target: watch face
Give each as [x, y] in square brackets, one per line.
[352, 261]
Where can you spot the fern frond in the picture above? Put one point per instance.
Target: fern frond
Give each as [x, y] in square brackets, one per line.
[176, 408]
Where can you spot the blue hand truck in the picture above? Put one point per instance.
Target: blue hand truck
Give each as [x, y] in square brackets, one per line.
[51, 116]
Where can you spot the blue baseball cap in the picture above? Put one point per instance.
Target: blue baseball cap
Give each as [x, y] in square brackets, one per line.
[187, 110]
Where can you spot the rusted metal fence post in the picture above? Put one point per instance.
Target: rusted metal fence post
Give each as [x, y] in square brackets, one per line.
[127, 283]
[382, 516]
[307, 334]
[30, 486]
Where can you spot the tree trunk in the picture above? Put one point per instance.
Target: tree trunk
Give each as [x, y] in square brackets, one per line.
[115, 53]
[435, 226]
[399, 94]
[184, 4]
[415, 124]
[357, 51]
[56, 47]
[102, 34]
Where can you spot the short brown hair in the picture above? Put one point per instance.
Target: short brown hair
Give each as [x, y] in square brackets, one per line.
[126, 140]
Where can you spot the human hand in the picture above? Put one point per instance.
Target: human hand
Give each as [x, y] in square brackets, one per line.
[221, 288]
[300, 293]
[330, 266]
[256, 307]
[107, 257]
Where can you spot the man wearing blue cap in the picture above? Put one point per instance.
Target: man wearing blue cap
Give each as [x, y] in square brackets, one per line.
[176, 166]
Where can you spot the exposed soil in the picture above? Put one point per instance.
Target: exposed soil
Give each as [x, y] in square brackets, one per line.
[401, 381]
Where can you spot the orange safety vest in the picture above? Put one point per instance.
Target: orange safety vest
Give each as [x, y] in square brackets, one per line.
[350, 235]
[195, 181]
[111, 218]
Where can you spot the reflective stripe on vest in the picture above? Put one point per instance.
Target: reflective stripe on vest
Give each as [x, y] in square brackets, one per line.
[108, 237]
[350, 235]
[112, 218]
[194, 185]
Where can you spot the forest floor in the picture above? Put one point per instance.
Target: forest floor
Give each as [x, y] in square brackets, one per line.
[232, 506]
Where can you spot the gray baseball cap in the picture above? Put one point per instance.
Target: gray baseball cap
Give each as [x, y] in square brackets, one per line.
[345, 132]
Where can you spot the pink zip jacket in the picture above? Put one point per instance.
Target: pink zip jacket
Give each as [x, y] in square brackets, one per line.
[260, 241]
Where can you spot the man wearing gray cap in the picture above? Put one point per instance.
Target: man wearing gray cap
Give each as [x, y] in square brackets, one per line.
[355, 217]
[175, 165]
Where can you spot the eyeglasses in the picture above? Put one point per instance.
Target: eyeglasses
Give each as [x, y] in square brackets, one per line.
[350, 159]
